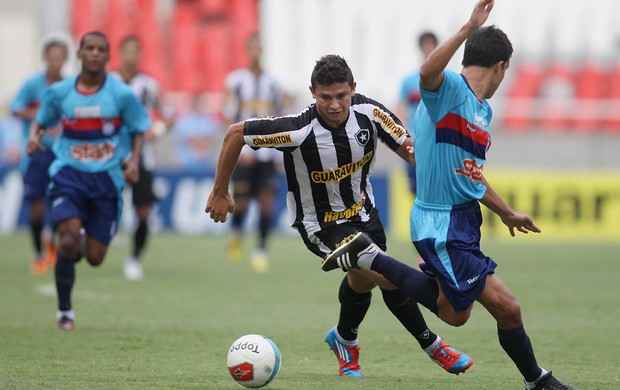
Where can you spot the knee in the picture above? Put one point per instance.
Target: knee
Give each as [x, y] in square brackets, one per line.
[455, 319]
[69, 245]
[95, 260]
[512, 314]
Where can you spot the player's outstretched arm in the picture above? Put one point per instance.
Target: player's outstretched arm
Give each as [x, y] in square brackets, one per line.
[34, 138]
[431, 71]
[405, 151]
[510, 217]
[220, 202]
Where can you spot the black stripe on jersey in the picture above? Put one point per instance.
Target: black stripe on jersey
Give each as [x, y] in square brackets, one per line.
[312, 158]
[293, 187]
[365, 123]
[266, 126]
[344, 156]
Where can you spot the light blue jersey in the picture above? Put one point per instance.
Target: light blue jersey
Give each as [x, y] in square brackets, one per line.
[451, 139]
[30, 95]
[410, 94]
[96, 128]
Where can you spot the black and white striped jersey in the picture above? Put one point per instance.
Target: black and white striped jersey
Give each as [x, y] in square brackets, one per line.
[328, 170]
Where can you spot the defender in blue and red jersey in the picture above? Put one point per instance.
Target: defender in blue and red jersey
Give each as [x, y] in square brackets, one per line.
[451, 140]
[102, 132]
[34, 169]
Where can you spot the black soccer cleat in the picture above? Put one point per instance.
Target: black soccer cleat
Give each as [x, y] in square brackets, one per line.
[346, 254]
[549, 382]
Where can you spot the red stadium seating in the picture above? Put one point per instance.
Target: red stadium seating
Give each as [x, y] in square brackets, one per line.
[519, 104]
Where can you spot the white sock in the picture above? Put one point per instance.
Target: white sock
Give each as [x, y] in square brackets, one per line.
[429, 350]
[65, 313]
[365, 257]
[531, 385]
[350, 343]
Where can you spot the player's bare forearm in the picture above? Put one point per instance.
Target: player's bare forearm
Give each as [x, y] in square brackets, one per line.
[220, 202]
[34, 138]
[405, 151]
[431, 71]
[137, 142]
[513, 219]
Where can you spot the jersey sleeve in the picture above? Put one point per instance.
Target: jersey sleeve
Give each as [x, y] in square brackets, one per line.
[449, 95]
[134, 114]
[389, 128]
[283, 133]
[25, 97]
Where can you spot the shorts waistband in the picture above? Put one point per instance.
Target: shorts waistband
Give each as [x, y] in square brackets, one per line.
[443, 207]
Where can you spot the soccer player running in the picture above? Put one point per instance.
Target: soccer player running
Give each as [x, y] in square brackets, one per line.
[147, 89]
[409, 98]
[251, 92]
[329, 152]
[451, 140]
[102, 124]
[34, 168]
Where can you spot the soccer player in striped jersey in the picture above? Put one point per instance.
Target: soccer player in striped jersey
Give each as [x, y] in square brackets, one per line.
[34, 168]
[102, 131]
[147, 89]
[251, 92]
[451, 140]
[329, 152]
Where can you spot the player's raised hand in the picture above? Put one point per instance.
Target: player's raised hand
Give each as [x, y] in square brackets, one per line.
[219, 205]
[520, 221]
[34, 143]
[481, 12]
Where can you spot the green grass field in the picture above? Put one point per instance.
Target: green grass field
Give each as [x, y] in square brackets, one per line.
[172, 330]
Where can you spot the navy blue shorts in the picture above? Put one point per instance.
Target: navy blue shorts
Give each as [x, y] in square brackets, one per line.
[91, 197]
[36, 178]
[448, 239]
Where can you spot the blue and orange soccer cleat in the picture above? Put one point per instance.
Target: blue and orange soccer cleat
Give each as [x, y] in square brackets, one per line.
[451, 360]
[347, 355]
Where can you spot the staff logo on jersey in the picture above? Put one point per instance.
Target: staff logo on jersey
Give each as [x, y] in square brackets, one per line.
[108, 128]
[362, 136]
[479, 121]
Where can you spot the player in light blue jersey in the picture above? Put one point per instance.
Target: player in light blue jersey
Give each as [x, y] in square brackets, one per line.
[409, 98]
[451, 140]
[103, 126]
[34, 169]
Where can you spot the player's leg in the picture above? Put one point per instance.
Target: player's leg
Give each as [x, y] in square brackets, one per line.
[36, 181]
[503, 306]
[242, 189]
[68, 253]
[101, 224]
[264, 185]
[142, 198]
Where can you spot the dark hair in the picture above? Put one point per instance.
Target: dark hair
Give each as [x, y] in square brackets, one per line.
[487, 46]
[427, 36]
[129, 39]
[97, 34]
[55, 43]
[331, 69]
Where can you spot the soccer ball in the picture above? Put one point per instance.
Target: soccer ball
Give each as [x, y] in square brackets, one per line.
[253, 360]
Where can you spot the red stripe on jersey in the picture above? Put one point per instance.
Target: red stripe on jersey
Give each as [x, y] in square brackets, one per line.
[469, 130]
[88, 123]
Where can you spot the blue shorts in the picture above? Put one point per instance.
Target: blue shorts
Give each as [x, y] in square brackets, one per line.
[448, 239]
[91, 197]
[36, 177]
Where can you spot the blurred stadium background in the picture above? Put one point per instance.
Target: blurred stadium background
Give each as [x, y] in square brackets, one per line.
[556, 130]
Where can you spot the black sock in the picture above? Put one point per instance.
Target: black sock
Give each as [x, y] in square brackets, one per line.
[417, 285]
[408, 313]
[139, 240]
[353, 308]
[264, 226]
[65, 278]
[517, 345]
[36, 228]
